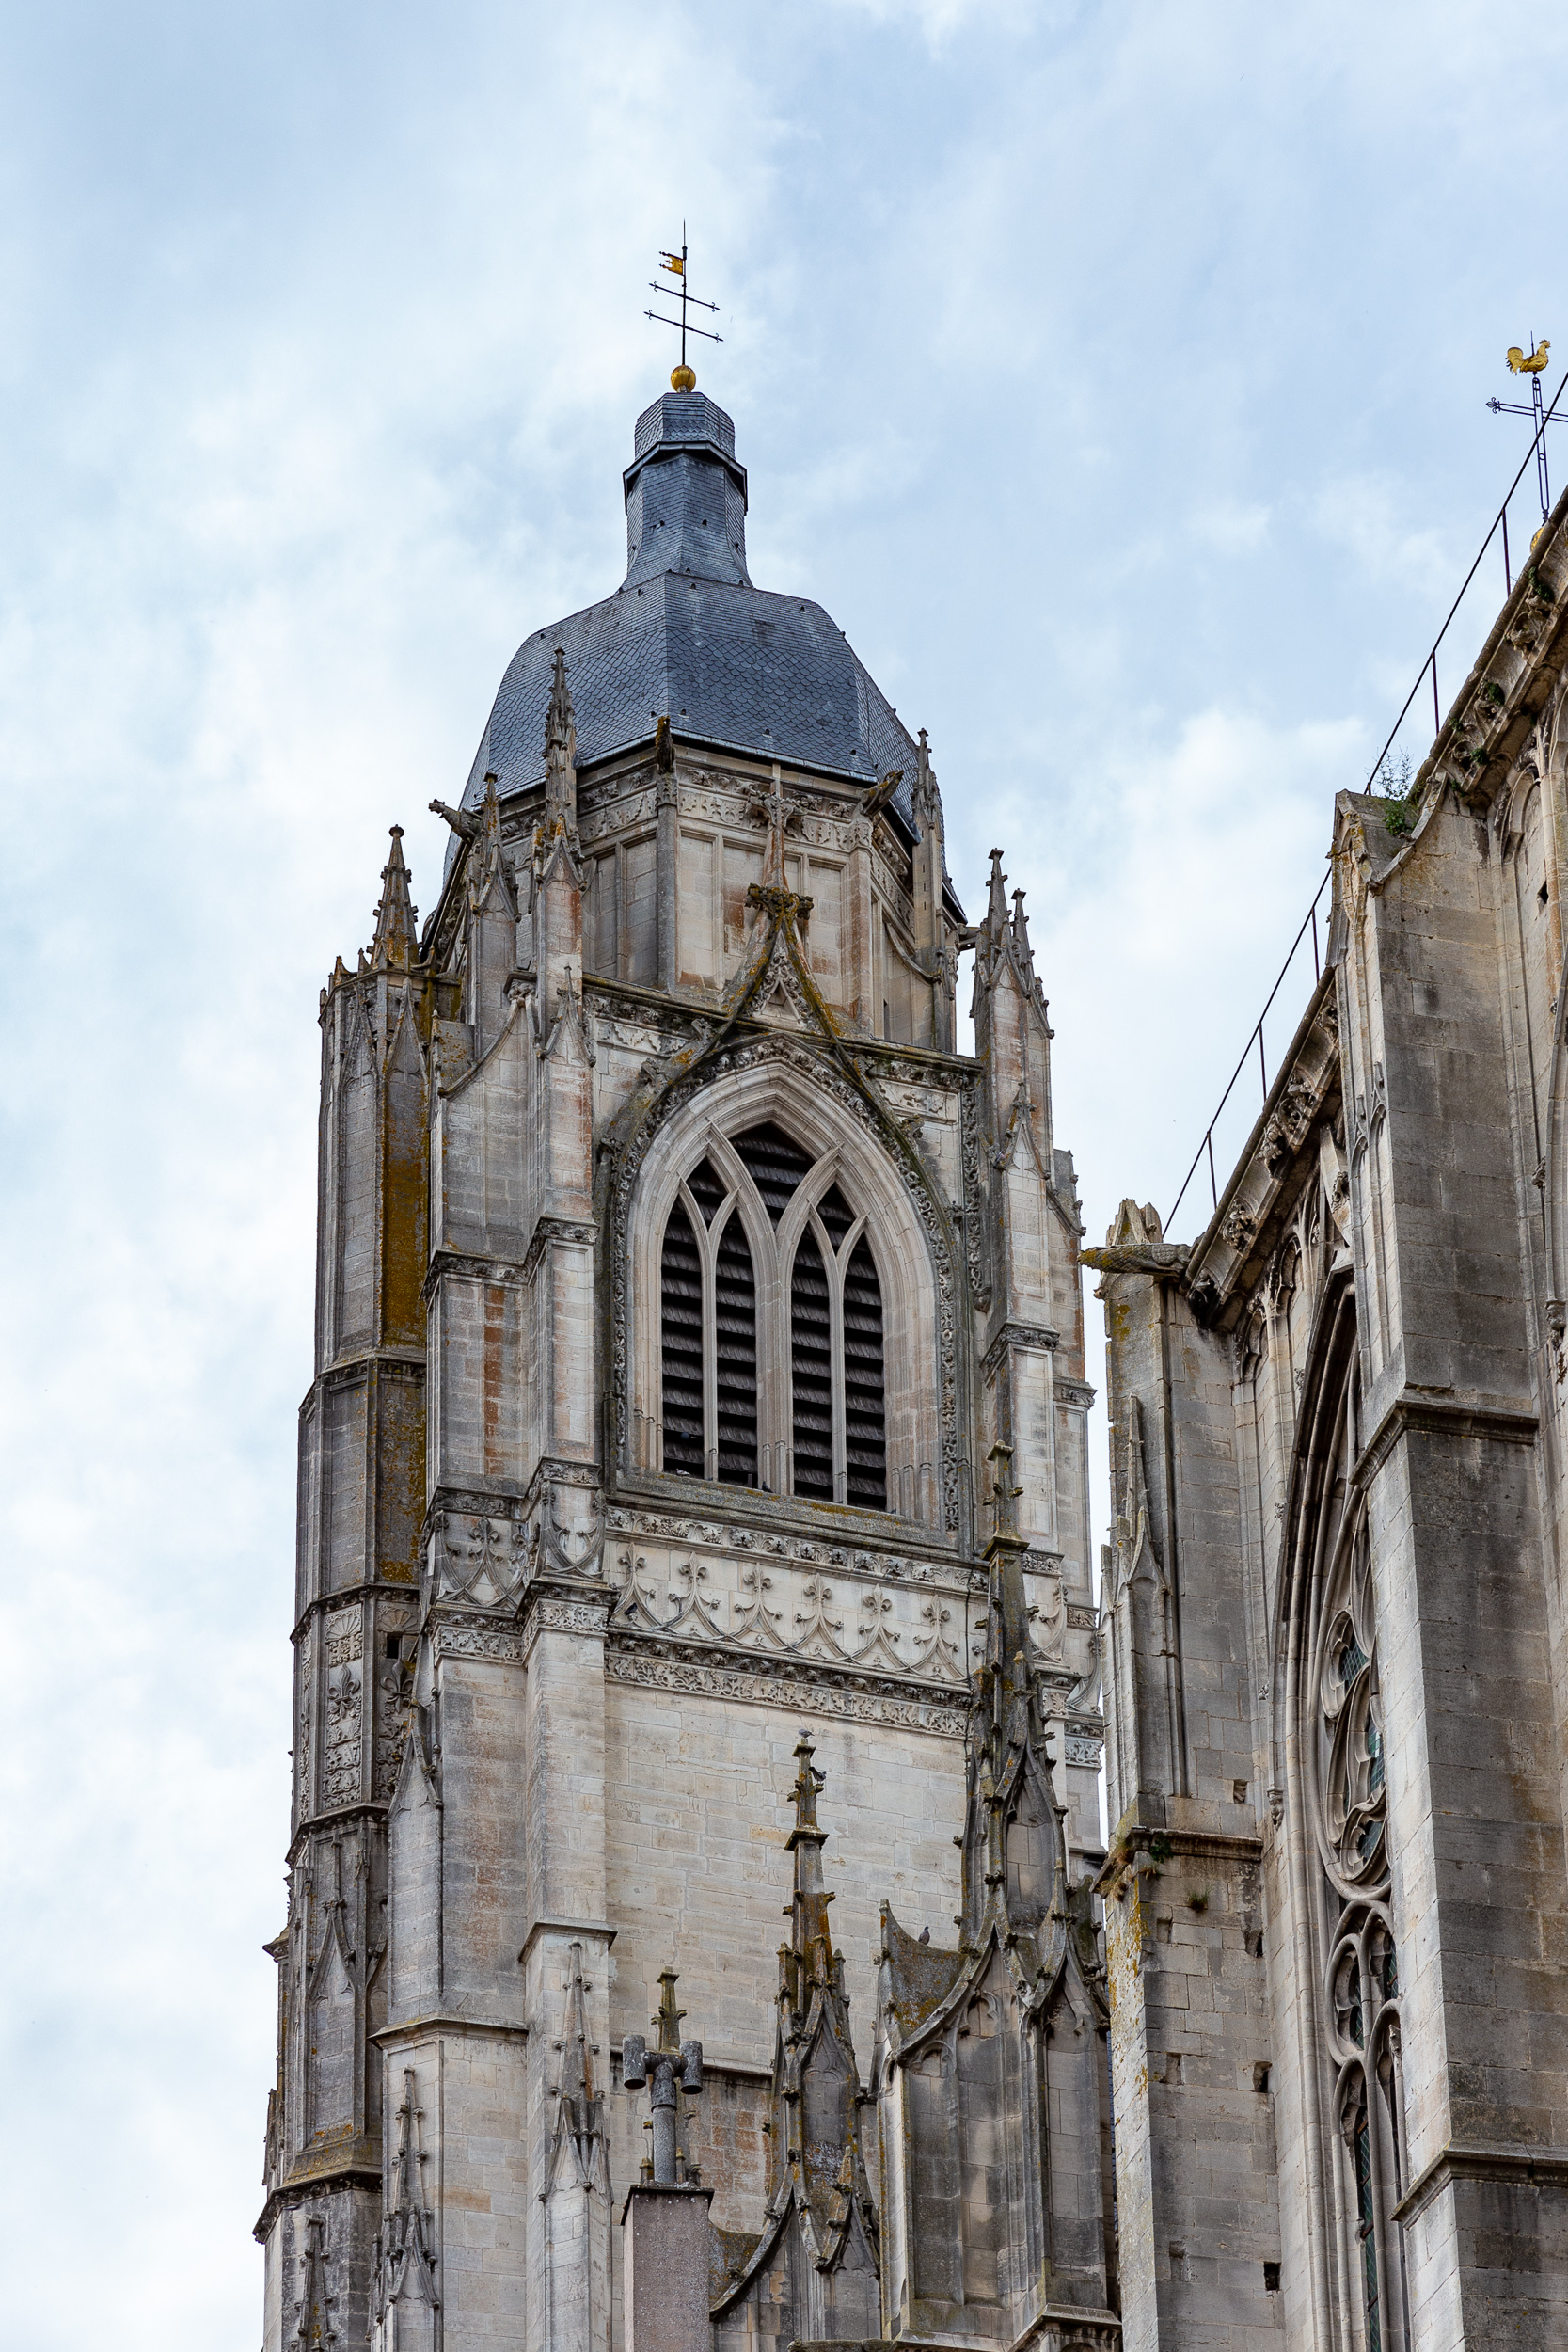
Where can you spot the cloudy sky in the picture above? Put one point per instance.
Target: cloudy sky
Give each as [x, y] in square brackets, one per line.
[1116, 378]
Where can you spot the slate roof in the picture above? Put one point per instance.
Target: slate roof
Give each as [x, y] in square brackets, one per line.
[688, 637]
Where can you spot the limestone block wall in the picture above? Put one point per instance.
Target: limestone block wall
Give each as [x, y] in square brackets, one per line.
[1193, 2029]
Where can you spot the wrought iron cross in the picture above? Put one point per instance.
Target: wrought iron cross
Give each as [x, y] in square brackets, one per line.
[682, 379]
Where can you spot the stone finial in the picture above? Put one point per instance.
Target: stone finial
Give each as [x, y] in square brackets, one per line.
[927, 801]
[811, 1941]
[561, 748]
[396, 945]
[1021, 948]
[670, 2068]
[996, 902]
[487, 878]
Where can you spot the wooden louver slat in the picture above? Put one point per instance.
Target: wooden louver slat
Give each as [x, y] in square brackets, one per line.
[811, 1371]
[736, 1319]
[864, 1405]
[681, 1345]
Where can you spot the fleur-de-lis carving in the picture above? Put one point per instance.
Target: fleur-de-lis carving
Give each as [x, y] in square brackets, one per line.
[693, 1611]
[941, 1653]
[754, 1621]
[816, 1624]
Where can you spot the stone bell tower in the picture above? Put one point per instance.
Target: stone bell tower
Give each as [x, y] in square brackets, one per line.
[677, 1281]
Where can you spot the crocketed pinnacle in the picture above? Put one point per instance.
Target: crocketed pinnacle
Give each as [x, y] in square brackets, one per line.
[560, 741]
[395, 946]
[811, 1939]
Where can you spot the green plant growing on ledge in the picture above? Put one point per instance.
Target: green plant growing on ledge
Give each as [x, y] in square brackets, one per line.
[1395, 786]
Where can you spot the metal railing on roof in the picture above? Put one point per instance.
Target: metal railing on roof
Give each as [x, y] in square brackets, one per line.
[1255, 1043]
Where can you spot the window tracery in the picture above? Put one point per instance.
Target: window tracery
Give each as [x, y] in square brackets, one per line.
[1341, 1745]
[758, 1220]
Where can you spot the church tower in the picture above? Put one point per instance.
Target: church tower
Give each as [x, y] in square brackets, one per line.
[699, 1392]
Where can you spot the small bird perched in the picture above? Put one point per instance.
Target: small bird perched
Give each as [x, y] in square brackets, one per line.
[1530, 366]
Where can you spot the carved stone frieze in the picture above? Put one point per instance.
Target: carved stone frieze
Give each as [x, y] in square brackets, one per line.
[480, 1559]
[696, 1532]
[789, 1609]
[343, 1734]
[630, 810]
[775, 1683]
[975, 1251]
[548, 1613]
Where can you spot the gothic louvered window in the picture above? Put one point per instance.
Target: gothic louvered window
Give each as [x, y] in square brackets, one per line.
[789, 1398]
[681, 1330]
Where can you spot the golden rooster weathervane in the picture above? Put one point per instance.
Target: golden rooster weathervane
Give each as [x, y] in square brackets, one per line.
[1530, 363]
[682, 378]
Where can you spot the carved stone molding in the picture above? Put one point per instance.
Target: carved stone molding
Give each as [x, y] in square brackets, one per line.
[698, 1530]
[476, 1637]
[580, 1231]
[1038, 1335]
[469, 1268]
[799, 1689]
[802, 1612]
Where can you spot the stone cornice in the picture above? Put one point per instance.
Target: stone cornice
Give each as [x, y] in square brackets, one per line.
[1200, 1845]
[1540, 2168]
[1417, 1411]
[909, 1554]
[670, 1505]
[346, 1371]
[441, 2021]
[330, 2176]
[347, 1595]
[798, 1685]
[311, 1824]
[600, 1929]
[1035, 1335]
[510, 1640]
[579, 1232]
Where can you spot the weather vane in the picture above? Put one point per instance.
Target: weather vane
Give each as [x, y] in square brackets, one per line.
[682, 379]
[1531, 363]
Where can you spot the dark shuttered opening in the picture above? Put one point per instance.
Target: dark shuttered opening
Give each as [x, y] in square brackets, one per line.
[736, 1299]
[681, 1346]
[810, 1360]
[864, 1417]
[776, 1165]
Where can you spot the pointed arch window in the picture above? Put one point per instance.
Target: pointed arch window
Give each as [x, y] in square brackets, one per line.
[1338, 1739]
[772, 1327]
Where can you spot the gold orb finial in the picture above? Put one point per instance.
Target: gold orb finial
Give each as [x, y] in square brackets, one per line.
[683, 379]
